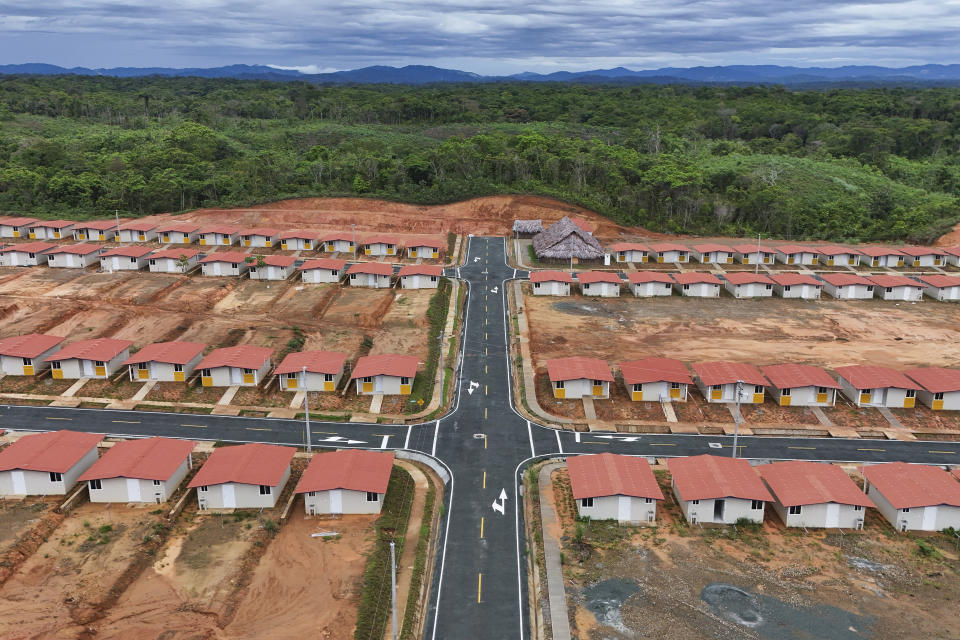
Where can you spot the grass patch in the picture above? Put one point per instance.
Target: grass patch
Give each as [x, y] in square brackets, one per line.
[412, 611]
[437, 310]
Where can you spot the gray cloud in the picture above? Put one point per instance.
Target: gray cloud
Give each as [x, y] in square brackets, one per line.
[488, 37]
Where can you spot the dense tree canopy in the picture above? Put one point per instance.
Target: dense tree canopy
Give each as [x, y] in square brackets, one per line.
[834, 164]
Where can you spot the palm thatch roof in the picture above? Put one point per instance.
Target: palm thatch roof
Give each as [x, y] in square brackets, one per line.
[527, 226]
[564, 240]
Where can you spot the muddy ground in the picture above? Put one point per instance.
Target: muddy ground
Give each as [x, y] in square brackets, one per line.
[674, 582]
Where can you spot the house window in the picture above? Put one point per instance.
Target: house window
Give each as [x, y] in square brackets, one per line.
[889, 289]
[558, 384]
[153, 263]
[95, 485]
[312, 494]
[178, 368]
[100, 363]
[433, 278]
[911, 393]
[694, 502]
[821, 389]
[598, 383]
[756, 505]
[686, 287]
[373, 496]
[794, 510]
[205, 373]
[858, 507]
[674, 385]
[717, 387]
[785, 392]
[133, 260]
[32, 255]
[55, 364]
[233, 265]
[203, 489]
[586, 502]
[938, 395]
[353, 276]
[758, 388]
[638, 387]
[156, 483]
[328, 377]
[368, 379]
[56, 477]
[768, 287]
[786, 288]
[870, 289]
[264, 490]
[248, 371]
[27, 362]
[334, 272]
[142, 366]
[907, 510]
[252, 269]
[648, 500]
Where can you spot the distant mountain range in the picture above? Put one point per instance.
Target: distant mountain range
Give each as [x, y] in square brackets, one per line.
[927, 74]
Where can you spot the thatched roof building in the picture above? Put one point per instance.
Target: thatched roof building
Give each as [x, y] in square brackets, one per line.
[564, 240]
[527, 228]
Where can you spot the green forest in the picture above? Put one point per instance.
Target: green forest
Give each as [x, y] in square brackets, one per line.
[836, 164]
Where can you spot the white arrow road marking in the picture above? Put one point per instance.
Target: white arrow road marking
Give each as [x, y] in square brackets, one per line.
[341, 440]
[494, 290]
[500, 504]
[714, 445]
[622, 438]
[477, 259]
[472, 387]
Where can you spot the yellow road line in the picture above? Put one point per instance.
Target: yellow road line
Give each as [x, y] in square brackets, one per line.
[661, 444]
[485, 368]
[481, 527]
[484, 441]
[484, 479]
[479, 586]
[484, 413]
[484, 389]
[935, 451]
[198, 426]
[53, 418]
[382, 435]
[871, 449]
[807, 448]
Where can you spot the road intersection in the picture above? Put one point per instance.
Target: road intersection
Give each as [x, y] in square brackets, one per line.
[480, 576]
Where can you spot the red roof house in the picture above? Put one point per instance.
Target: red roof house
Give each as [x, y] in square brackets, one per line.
[243, 365]
[97, 358]
[801, 385]
[579, 377]
[814, 494]
[701, 482]
[130, 470]
[323, 370]
[874, 386]
[614, 487]
[46, 463]
[939, 387]
[243, 476]
[717, 381]
[896, 287]
[914, 497]
[550, 276]
[386, 373]
[26, 355]
[348, 481]
[656, 379]
[165, 361]
[333, 264]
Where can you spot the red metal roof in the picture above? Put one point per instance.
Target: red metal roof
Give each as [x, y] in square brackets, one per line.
[243, 356]
[82, 249]
[181, 227]
[952, 251]
[350, 469]
[741, 277]
[323, 263]
[696, 277]
[711, 373]
[338, 235]
[589, 277]
[222, 229]
[29, 247]
[907, 485]
[790, 279]
[875, 252]
[139, 225]
[845, 279]
[433, 244]
[385, 364]
[798, 482]
[934, 280]
[277, 261]
[133, 251]
[314, 361]
[99, 349]
[54, 224]
[266, 232]
[260, 464]
[884, 280]
[55, 451]
[550, 276]
[640, 277]
[837, 251]
[233, 257]
[710, 247]
[301, 234]
[789, 249]
[923, 251]
[935, 379]
[752, 248]
[578, 367]
[169, 352]
[709, 477]
[862, 376]
[420, 270]
[791, 376]
[17, 222]
[629, 246]
[146, 459]
[376, 268]
[655, 370]
[175, 253]
[668, 246]
[606, 474]
[99, 225]
[28, 346]
[380, 238]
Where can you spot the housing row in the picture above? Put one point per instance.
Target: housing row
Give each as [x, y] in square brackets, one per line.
[150, 470]
[722, 491]
[218, 235]
[667, 380]
[244, 365]
[842, 286]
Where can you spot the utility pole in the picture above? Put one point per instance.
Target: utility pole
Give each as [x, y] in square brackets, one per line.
[757, 267]
[393, 588]
[116, 213]
[306, 407]
[736, 418]
[353, 238]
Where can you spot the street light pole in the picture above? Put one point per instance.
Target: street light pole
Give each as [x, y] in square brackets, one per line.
[757, 266]
[393, 588]
[306, 408]
[116, 213]
[736, 418]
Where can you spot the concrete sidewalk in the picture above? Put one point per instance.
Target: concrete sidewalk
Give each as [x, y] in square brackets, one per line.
[559, 619]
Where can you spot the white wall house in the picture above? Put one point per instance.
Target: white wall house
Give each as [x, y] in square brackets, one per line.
[339, 243]
[796, 285]
[375, 275]
[893, 287]
[259, 237]
[801, 385]
[346, 481]
[796, 254]
[173, 260]
[952, 253]
[656, 379]
[426, 249]
[882, 257]
[15, 227]
[243, 365]
[165, 361]
[46, 464]
[133, 258]
[51, 230]
[246, 476]
[606, 486]
[717, 490]
[220, 235]
[752, 253]
[26, 355]
[381, 246]
[27, 254]
[748, 285]
[605, 284]
[98, 231]
[635, 252]
[137, 231]
[668, 252]
[839, 256]
[939, 387]
[226, 264]
[551, 283]
[698, 285]
[311, 371]
[872, 386]
[579, 377]
[177, 233]
[298, 240]
[646, 284]
[321, 270]
[939, 287]
[717, 382]
[914, 497]
[74, 256]
[274, 268]
[711, 253]
[147, 470]
[98, 358]
[420, 276]
[924, 256]
[815, 495]
[847, 286]
[385, 373]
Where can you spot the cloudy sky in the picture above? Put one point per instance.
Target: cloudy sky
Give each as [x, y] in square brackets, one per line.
[491, 37]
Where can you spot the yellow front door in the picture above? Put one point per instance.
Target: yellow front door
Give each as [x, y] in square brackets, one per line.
[766, 259]
[166, 238]
[730, 260]
[178, 376]
[821, 397]
[226, 240]
[391, 251]
[16, 234]
[405, 389]
[637, 396]
[33, 235]
[248, 378]
[80, 236]
[268, 243]
[351, 249]
[674, 393]
[598, 389]
[291, 383]
[784, 401]
[937, 405]
[644, 259]
[100, 371]
[909, 403]
[814, 260]
[330, 247]
[413, 253]
[246, 243]
[143, 374]
[875, 262]
[141, 237]
[366, 251]
[435, 254]
[682, 259]
[368, 387]
[758, 398]
[900, 262]
[560, 393]
[790, 260]
[659, 259]
[283, 246]
[864, 398]
[716, 394]
[328, 386]
[57, 374]
[28, 371]
[851, 261]
[916, 263]
[206, 381]
[203, 241]
[56, 234]
[829, 262]
[307, 245]
[746, 259]
[102, 237]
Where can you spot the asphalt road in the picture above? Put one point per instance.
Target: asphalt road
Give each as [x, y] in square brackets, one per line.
[480, 578]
